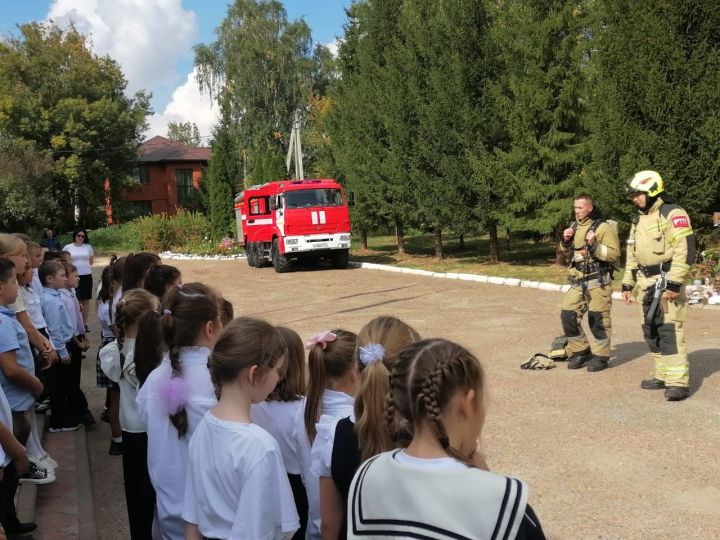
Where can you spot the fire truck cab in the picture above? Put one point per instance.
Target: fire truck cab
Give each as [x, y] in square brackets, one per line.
[294, 219]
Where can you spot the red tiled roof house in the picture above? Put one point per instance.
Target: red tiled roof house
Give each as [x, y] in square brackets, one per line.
[168, 176]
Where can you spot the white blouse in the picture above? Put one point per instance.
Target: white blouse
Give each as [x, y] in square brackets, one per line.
[278, 419]
[167, 454]
[124, 375]
[81, 257]
[335, 405]
[236, 483]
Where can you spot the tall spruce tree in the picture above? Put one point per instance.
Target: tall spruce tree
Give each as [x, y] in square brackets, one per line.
[540, 99]
[223, 179]
[656, 99]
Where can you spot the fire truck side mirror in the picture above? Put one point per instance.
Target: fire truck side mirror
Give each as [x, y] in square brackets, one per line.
[351, 198]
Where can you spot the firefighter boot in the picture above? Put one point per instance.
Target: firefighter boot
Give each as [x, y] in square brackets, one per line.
[597, 363]
[652, 384]
[579, 359]
[676, 393]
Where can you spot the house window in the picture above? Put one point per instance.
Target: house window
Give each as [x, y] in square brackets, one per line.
[139, 208]
[141, 174]
[185, 188]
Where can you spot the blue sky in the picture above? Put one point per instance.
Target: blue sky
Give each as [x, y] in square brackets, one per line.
[162, 67]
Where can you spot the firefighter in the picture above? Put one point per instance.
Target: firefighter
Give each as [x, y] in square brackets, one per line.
[593, 247]
[661, 248]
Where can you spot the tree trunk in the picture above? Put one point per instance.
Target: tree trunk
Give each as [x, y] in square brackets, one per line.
[560, 258]
[363, 239]
[507, 238]
[438, 241]
[461, 242]
[494, 242]
[400, 236]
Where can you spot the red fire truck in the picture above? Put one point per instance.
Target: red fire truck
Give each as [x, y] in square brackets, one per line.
[294, 219]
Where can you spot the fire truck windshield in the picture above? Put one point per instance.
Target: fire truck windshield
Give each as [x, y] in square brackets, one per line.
[304, 198]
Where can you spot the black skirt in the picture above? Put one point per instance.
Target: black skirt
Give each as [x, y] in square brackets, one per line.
[84, 289]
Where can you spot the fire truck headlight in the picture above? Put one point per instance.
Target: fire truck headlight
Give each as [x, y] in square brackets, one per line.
[344, 237]
[291, 241]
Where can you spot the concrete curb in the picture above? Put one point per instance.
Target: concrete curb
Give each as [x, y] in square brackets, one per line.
[86, 516]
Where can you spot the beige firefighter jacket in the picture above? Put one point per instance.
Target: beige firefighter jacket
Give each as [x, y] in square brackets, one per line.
[655, 239]
[605, 248]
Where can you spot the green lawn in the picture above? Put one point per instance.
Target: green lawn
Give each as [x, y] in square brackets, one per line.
[522, 259]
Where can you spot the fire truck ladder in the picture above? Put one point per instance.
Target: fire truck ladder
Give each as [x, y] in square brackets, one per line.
[295, 149]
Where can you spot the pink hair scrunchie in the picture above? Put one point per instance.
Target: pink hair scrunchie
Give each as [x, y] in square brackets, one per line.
[321, 339]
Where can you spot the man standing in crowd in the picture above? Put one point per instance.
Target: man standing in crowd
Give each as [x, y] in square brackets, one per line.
[593, 247]
[661, 248]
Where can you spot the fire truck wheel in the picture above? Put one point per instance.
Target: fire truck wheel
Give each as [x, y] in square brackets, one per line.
[251, 253]
[339, 258]
[279, 260]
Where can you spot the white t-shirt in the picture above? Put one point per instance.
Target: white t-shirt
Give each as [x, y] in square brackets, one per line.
[334, 405]
[81, 257]
[236, 483]
[103, 314]
[34, 306]
[167, 455]
[278, 419]
[395, 495]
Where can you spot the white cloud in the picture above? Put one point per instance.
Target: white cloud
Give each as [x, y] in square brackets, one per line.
[334, 46]
[146, 37]
[188, 104]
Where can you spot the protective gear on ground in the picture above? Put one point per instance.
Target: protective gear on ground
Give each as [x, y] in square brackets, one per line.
[538, 361]
[590, 275]
[661, 242]
[648, 182]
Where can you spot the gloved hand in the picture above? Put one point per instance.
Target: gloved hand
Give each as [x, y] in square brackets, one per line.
[538, 361]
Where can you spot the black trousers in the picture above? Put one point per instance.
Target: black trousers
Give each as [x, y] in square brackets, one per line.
[139, 492]
[77, 403]
[301, 504]
[8, 488]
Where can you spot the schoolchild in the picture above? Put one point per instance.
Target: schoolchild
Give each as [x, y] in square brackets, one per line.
[277, 415]
[36, 259]
[13, 463]
[136, 268]
[332, 384]
[176, 394]
[434, 484]
[52, 256]
[117, 360]
[78, 345]
[107, 335]
[236, 482]
[15, 249]
[17, 368]
[343, 444]
[162, 277]
[61, 329]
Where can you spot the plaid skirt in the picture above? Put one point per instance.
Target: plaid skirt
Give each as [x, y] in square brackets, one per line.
[100, 377]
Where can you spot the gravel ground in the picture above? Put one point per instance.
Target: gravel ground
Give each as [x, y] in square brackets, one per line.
[603, 458]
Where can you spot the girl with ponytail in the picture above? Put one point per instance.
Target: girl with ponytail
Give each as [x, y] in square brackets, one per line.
[436, 483]
[176, 395]
[341, 445]
[119, 360]
[332, 385]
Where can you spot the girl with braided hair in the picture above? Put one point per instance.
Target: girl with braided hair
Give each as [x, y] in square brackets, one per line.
[118, 362]
[176, 394]
[343, 444]
[237, 486]
[435, 486]
[332, 385]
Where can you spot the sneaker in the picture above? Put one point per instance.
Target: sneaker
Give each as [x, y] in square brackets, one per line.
[676, 393]
[67, 425]
[578, 360]
[37, 475]
[19, 529]
[87, 419]
[652, 384]
[40, 408]
[116, 448]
